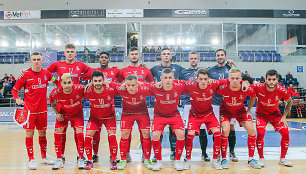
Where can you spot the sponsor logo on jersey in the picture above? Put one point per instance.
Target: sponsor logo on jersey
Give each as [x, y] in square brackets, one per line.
[167, 102]
[72, 105]
[74, 75]
[29, 79]
[276, 98]
[175, 94]
[39, 86]
[203, 99]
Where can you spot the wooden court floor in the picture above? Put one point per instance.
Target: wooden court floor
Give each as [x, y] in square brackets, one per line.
[13, 158]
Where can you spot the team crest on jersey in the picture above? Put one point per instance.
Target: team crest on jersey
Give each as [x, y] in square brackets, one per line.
[77, 96]
[142, 72]
[77, 68]
[112, 73]
[175, 94]
[241, 97]
[211, 91]
[45, 78]
[276, 98]
[141, 97]
[108, 97]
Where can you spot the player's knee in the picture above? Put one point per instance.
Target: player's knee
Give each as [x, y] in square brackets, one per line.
[78, 130]
[155, 136]
[145, 133]
[42, 133]
[125, 134]
[191, 132]
[225, 131]
[180, 134]
[29, 133]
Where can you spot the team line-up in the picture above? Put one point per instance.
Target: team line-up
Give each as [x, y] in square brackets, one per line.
[220, 87]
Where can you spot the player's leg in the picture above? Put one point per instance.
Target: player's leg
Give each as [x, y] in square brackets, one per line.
[110, 125]
[232, 141]
[158, 125]
[95, 145]
[188, 146]
[261, 130]
[225, 126]
[203, 142]
[172, 141]
[283, 130]
[64, 137]
[124, 145]
[249, 127]
[58, 134]
[215, 130]
[178, 126]
[41, 126]
[143, 122]
[29, 128]
[92, 127]
[77, 123]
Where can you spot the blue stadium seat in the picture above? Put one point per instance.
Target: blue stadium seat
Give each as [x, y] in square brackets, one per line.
[257, 57]
[251, 59]
[1, 60]
[113, 57]
[265, 58]
[207, 58]
[120, 57]
[146, 57]
[178, 57]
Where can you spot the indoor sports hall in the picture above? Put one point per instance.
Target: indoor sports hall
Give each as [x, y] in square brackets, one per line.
[256, 36]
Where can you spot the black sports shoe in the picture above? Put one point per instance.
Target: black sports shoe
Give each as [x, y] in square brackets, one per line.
[204, 157]
[95, 158]
[110, 159]
[233, 157]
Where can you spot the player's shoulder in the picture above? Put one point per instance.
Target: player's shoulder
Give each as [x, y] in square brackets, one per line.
[56, 91]
[258, 85]
[224, 86]
[177, 66]
[281, 88]
[78, 86]
[109, 89]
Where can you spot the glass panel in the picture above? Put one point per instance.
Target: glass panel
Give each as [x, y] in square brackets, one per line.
[256, 34]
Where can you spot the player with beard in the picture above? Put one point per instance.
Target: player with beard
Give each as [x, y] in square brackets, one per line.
[268, 95]
[110, 74]
[101, 112]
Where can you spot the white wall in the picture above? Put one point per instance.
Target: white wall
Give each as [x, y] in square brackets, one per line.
[170, 4]
[254, 69]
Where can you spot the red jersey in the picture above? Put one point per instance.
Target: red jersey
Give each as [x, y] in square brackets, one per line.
[200, 99]
[268, 102]
[76, 70]
[110, 74]
[101, 105]
[167, 101]
[68, 104]
[35, 89]
[233, 101]
[291, 90]
[143, 74]
[133, 104]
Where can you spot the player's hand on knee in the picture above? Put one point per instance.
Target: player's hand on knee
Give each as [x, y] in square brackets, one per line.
[159, 85]
[60, 117]
[284, 121]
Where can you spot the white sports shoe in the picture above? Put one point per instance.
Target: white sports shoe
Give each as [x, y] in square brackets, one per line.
[186, 164]
[216, 165]
[81, 164]
[46, 161]
[58, 164]
[158, 165]
[178, 165]
[32, 165]
[261, 162]
[285, 162]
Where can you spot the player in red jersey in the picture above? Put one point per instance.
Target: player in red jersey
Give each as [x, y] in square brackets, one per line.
[66, 102]
[110, 74]
[134, 108]
[268, 95]
[201, 96]
[232, 106]
[166, 113]
[101, 112]
[76, 69]
[143, 75]
[35, 82]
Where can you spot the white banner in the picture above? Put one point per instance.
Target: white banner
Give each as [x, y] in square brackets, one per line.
[124, 13]
[9, 15]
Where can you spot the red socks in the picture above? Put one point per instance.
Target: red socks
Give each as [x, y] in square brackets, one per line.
[80, 147]
[179, 147]
[284, 142]
[157, 149]
[29, 146]
[224, 143]
[124, 144]
[58, 144]
[96, 141]
[88, 146]
[146, 147]
[189, 145]
[43, 146]
[113, 146]
[217, 144]
[251, 145]
[260, 141]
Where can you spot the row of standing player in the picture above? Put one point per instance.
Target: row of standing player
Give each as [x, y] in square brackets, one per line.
[70, 53]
